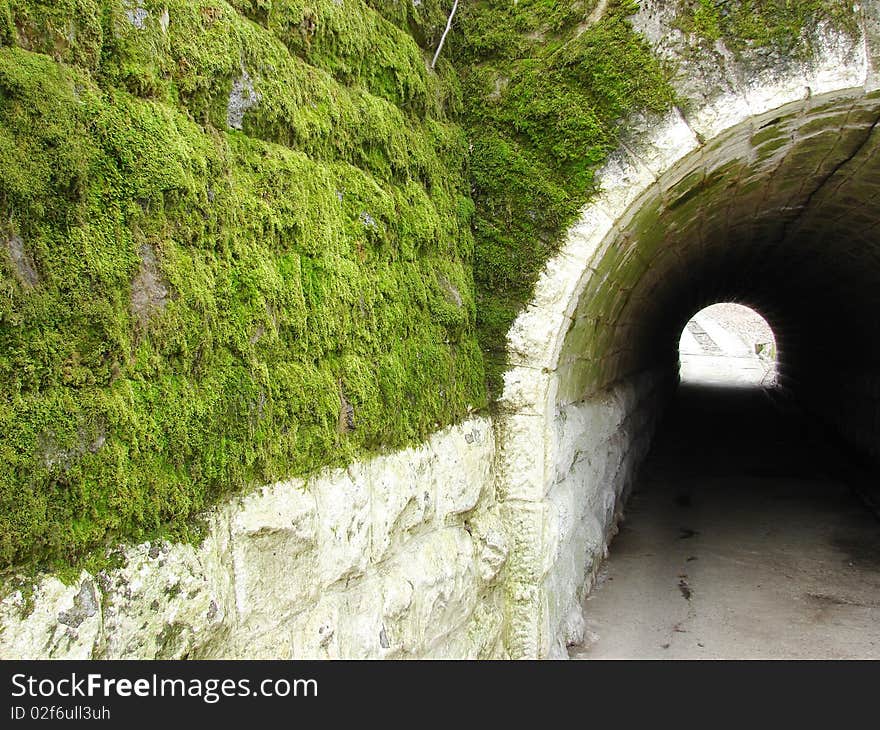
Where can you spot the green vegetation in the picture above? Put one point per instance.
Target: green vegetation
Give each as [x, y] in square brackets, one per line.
[186, 309]
[545, 92]
[244, 239]
[785, 26]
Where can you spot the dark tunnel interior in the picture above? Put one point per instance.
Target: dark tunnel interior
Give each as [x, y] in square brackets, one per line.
[749, 529]
[780, 215]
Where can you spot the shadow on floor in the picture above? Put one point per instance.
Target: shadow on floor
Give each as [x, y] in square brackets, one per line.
[742, 539]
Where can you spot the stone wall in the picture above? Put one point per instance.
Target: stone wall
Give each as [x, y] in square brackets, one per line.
[600, 442]
[849, 403]
[483, 541]
[398, 556]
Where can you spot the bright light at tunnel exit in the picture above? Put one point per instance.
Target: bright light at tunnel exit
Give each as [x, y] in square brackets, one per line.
[728, 344]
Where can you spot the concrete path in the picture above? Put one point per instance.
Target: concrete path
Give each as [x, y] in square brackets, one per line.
[740, 541]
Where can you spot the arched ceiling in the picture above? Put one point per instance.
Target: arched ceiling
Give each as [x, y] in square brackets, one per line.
[780, 213]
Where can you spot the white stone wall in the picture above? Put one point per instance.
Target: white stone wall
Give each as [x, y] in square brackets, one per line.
[398, 556]
[600, 444]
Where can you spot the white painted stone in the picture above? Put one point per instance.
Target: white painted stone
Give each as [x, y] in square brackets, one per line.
[464, 472]
[585, 237]
[535, 336]
[161, 603]
[344, 520]
[841, 64]
[283, 507]
[524, 522]
[521, 458]
[274, 546]
[557, 283]
[527, 391]
[57, 622]
[362, 634]
[491, 545]
[403, 496]
[621, 180]
[662, 143]
[284, 572]
[715, 118]
[481, 638]
[441, 574]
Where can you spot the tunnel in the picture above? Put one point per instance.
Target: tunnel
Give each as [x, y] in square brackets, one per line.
[777, 212]
[789, 228]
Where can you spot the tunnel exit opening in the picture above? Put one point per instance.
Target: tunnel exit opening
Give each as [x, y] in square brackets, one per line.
[727, 344]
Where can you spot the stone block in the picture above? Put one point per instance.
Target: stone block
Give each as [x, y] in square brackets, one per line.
[521, 458]
[403, 493]
[430, 591]
[160, 604]
[344, 519]
[463, 471]
[57, 621]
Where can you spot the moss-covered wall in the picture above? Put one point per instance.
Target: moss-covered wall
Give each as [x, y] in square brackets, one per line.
[546, 86]
[244, 239]
[187, 308]
[782, 26]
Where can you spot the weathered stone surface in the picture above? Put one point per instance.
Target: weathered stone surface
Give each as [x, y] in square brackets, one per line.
[344, 519]
[148, 290]
[301, 569]
[274, 543]
[433, 589]
[491, 544]
[466, 475]
[403, 497]
[242, 97]
[22, 263]
[55, 622]
[160, 604]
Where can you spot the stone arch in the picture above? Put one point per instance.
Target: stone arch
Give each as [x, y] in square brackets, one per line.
[783, 158]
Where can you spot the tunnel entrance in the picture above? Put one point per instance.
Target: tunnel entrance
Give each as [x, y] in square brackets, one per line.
[727, 344]
[743, 539]
[767, 202]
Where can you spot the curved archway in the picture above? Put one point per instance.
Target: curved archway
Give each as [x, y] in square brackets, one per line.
[755, 197]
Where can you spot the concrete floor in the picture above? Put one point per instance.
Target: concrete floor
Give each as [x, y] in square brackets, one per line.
[740, 541]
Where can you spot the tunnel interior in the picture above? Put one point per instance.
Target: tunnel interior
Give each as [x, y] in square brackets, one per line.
[779, 214]
[743, 540]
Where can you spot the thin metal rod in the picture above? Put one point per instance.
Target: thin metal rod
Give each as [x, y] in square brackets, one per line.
[445, 32]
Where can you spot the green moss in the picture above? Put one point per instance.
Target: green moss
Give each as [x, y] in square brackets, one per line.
[545, 94]
[67, 30]
[198, 296]
[206, 300]
[782, 26]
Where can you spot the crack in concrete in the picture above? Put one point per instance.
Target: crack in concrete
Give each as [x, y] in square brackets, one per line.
[792, 224]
